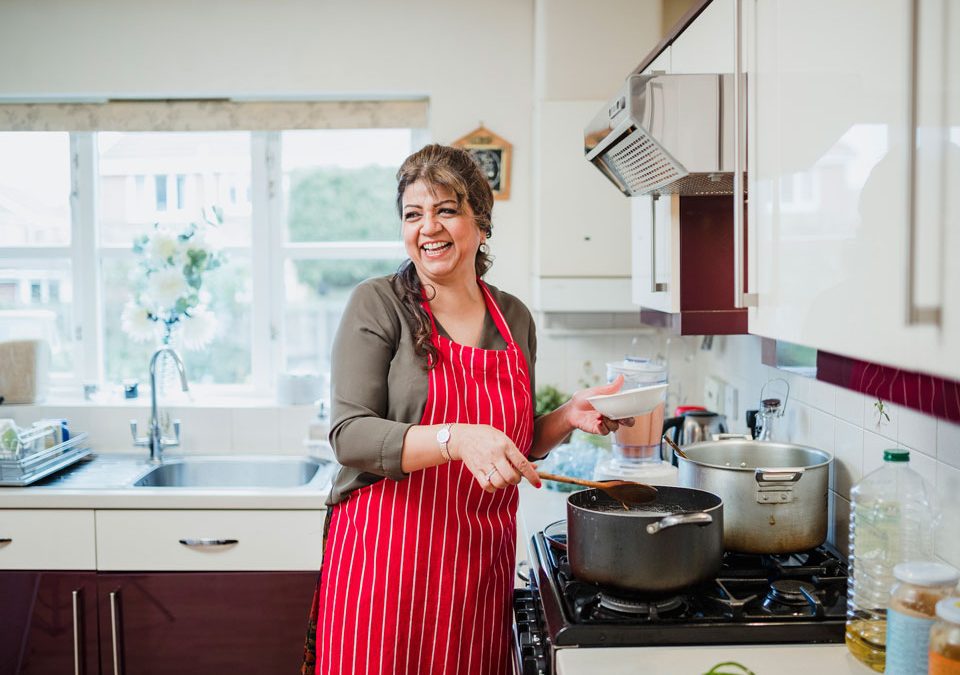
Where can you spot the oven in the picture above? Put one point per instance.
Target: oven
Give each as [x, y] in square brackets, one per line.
[754, 599]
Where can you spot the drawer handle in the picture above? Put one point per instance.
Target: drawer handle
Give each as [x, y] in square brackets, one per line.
[209, 542]
[6, 540]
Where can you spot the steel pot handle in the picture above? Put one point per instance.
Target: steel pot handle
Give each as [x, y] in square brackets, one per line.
[680, 519]
[791, 475]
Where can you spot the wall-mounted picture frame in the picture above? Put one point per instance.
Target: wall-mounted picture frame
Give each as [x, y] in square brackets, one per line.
[493, 154]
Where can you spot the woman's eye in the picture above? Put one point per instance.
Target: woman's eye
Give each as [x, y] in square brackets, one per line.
[412, 215]
[448, 212]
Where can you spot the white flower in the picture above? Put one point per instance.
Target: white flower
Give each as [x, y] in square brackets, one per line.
[198, 329]
[166, 286]
[136, 323]
[162, 246]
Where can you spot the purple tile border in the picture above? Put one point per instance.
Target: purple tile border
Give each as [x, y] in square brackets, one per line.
[927, 393]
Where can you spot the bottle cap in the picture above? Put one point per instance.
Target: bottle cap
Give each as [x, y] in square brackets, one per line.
[923, 573]
[948, 609]
[896, 455]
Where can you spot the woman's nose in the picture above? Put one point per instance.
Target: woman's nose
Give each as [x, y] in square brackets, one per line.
[430, 223]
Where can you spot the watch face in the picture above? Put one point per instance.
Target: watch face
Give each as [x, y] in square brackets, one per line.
[443, 435]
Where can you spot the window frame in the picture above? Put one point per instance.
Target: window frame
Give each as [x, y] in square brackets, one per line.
[268, 253]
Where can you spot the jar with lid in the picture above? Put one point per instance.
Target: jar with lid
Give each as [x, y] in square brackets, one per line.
[944, 652]
[920, 586]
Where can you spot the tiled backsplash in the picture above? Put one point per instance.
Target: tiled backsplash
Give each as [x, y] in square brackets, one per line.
[849, 425]
[254, 429]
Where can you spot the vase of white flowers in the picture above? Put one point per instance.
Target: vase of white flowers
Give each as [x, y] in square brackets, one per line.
[168, 302]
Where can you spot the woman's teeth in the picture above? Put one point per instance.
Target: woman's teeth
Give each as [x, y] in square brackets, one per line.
[435, 248]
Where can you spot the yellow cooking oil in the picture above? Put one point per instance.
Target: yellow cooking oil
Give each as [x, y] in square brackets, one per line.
[867, 640]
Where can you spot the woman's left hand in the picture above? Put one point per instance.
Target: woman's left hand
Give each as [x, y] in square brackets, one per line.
[581, 415]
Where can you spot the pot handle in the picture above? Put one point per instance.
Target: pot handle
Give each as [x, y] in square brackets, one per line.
[785, 475]
[675, 519]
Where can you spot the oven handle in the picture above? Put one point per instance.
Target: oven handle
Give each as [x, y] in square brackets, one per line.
[523, 571]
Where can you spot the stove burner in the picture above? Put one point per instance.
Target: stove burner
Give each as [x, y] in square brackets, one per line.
[627, 605]
[790, 592]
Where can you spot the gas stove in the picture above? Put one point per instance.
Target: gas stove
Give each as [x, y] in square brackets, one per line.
[754, 599]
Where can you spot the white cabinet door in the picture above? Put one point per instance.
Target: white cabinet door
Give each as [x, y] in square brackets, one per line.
[582, 220]
[706, 46]
[828, 94]
[656, 253]
[948, 353]
[47, 539]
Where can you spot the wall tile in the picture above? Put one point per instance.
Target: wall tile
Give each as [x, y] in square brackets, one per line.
[918, 431]
[948, 443]
[256, 431]
[948, 494]
[207, 431]
[924, 465]
[848, 457]
[822, 396]
[110, 428]
[850, 406]
[873, 447]
[294, 427]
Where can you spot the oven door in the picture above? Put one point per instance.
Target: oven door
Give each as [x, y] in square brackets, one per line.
[529, 649]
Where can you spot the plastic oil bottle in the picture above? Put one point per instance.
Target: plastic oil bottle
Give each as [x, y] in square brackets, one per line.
[891, 521]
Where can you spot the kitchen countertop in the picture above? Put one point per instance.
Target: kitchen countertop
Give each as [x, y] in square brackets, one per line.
[693, 660]
[103, 483]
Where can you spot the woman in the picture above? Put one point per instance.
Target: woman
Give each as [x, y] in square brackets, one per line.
[433, 424]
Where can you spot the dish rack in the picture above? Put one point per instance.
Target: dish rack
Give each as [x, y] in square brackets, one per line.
[40, 455]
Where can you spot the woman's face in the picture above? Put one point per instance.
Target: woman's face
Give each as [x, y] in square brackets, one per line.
[440, 237]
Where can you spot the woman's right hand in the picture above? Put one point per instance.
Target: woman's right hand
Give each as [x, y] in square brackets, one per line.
[491, 456]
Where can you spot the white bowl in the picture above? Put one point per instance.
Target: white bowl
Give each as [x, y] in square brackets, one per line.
[629, 403]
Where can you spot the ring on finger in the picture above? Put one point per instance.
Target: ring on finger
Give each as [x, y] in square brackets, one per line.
[490, 473]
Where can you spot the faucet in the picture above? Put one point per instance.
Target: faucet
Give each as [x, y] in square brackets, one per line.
[156, 440]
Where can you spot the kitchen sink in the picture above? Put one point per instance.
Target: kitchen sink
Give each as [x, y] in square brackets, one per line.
[232, 472]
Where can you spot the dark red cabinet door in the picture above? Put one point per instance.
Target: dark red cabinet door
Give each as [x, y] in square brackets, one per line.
[48, 623]
[187, 623]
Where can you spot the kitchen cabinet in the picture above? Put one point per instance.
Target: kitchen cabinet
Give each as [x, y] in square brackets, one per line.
[167, 591]
[690, 275]
[830, 179]
[48, 623]
[200, 623]
[582, 226]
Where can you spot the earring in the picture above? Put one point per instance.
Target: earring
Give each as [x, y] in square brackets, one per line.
[484, 249]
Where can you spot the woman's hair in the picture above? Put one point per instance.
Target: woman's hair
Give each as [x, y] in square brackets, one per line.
[456, 170]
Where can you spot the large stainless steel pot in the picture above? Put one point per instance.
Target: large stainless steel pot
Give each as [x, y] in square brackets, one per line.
[775, 494]
[674, 542]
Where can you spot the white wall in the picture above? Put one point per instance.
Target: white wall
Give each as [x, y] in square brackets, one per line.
[847, 424]
[473, 60]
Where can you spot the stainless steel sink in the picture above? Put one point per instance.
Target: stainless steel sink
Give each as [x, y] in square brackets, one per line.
[232, 472]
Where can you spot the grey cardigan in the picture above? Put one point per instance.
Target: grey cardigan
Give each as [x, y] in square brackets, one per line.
[379, 384]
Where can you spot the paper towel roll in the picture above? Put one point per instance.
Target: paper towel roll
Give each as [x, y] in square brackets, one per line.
[24, 369]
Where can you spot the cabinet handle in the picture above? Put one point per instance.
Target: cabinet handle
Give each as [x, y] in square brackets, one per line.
[115, 630]
[741, 298]
[654, 286]
[77, 667]
[6, 540]
[915, 315]
[209, 542]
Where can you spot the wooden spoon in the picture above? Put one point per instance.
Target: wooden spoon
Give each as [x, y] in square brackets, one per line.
[676, 448]
[626, 492]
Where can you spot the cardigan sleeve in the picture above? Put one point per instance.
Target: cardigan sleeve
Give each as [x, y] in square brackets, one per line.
[362, 436]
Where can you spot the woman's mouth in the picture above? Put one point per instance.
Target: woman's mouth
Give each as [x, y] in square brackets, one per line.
[434, 249]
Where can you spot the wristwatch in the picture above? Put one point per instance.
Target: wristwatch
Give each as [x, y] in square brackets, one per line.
[443, 439]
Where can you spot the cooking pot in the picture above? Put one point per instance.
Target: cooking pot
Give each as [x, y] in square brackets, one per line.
[775, 494]
[670, 543]
[692, 426]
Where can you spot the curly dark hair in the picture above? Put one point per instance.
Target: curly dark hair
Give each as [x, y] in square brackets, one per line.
[456, 170]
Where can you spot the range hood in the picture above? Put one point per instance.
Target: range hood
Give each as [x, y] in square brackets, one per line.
[666, 134]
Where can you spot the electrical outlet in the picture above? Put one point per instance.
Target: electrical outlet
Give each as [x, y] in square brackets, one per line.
[713, 394]
[730, 404]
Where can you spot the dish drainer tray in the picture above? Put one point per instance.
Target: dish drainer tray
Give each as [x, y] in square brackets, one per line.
[33, 467]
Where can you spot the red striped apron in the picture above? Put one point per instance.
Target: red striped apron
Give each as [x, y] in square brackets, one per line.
[418, 574]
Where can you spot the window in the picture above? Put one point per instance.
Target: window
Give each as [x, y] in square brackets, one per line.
[306, 215]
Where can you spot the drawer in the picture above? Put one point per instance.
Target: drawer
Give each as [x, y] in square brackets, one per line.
[47, 539]
[209, 540]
